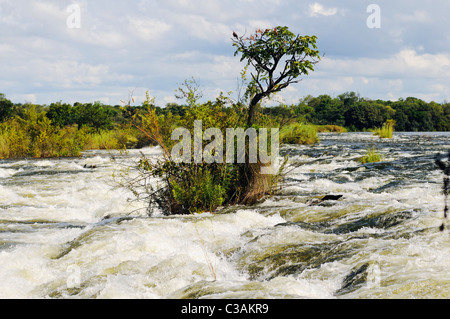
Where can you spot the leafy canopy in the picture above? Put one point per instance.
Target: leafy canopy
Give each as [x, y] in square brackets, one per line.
[278, 58]
[273, 50]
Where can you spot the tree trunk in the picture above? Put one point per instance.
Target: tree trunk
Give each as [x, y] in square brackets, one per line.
[252, 108]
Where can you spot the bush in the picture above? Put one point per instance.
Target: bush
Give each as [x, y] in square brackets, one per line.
[299, 133]
[331, 129]
[372, 155]
[186, 188]
[33, 135]
[386, 131]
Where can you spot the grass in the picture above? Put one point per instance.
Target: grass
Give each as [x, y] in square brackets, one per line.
[331, 129]
[4, 146]
[386, 131]
[18, 141]
[372, 155]
[306, 134]
[299, 133]
[106, 140]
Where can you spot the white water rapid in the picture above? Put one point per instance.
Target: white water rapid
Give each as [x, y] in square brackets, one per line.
[67, 232]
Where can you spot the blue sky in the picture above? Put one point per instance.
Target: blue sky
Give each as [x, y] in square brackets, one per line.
[120, 47]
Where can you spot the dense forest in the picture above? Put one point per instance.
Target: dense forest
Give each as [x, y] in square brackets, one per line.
[358, 114]
[62, 129]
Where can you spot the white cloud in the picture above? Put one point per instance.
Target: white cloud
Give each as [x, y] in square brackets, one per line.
[203, 28]
[148, 29]
[46, 11]
[316, 9]
[70, 73]
[418, 16]
[158, 44]
[406, 63]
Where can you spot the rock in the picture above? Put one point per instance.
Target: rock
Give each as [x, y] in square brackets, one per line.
[320, 201]
[332, 197]
[355, 280]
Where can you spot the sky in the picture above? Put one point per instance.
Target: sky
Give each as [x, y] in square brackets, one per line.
[109, 50]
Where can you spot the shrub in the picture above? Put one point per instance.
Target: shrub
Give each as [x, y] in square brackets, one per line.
[33, 135]
[386, 131]
[372, 155]
[299, 133]
[185, 188]
[15, 140]
[331, 129]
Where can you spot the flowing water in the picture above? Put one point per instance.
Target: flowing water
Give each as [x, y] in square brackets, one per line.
[67, 232]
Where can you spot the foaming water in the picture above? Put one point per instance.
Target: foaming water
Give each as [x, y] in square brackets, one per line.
[67, 231]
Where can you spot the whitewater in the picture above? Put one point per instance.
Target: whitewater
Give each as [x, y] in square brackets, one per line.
[68, 231]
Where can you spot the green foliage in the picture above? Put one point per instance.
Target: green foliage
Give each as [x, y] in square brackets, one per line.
[109, 140]
[299, 133]
[185, 188]
[197, 190]
[95, 115]
[33, 135]
[33, 130]
[15, 141]
[265, 49]
[359, 114]
[6, 108]
[372, 155]
[386, 131]
[278, 57]
[61, 114]
[364, 114]
[330, 129]
[327, 110]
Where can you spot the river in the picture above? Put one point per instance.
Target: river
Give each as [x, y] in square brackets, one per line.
[66, 231]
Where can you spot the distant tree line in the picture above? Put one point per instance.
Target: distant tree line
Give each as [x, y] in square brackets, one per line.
[348, 110]
[357, 114]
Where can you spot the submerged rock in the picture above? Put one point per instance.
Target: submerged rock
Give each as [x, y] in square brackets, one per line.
[383, 221]
[355, 280]
[291, 259]
[324, 200]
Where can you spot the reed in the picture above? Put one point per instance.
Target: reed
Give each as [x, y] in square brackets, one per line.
[386, 131]
[299, 133]
[372, 155]
[331, 129]
[4, 146]
[101, 141]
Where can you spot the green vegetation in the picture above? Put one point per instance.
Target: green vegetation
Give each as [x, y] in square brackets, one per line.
[386, 131]
[359, 114]
[195, 187]
[299, 133]
[372, 155]
[278, 57]
[198, 186]
[61, 129]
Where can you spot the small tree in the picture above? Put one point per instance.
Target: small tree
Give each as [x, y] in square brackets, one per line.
[198, 185]
[278, 58]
